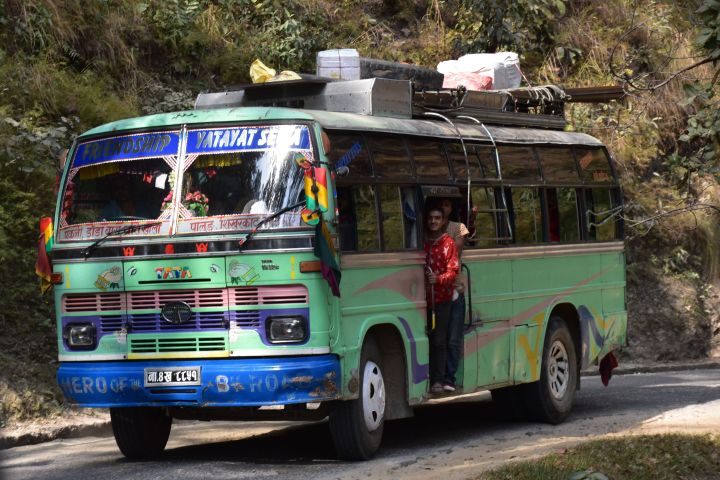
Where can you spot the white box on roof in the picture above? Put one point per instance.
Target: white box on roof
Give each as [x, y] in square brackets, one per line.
[340, 64]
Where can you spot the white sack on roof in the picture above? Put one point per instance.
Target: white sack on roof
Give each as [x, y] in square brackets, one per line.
[482, 71]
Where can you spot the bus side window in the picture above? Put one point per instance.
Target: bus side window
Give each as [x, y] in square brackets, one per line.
[483, 228]
[410, 216]
[525, 215]
[347, 224]
[366, 218]
[391, 217]
[598, 207]
[562, 215]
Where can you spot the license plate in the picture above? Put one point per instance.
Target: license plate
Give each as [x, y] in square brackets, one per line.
[172, 376]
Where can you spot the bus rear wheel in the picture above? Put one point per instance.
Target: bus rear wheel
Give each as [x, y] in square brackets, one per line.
[140, 432]
[357, 425]
[551, 398]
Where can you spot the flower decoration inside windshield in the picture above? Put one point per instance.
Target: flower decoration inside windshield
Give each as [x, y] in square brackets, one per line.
[197, 203]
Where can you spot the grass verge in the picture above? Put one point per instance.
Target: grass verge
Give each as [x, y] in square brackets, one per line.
[642, 457]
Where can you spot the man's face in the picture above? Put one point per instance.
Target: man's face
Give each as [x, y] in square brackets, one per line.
[435, 221]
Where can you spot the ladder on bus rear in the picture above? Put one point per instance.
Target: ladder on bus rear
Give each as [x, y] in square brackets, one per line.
[506, 226]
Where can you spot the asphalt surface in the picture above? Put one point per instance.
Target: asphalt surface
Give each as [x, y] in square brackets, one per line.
[458, 437]
[98, 424]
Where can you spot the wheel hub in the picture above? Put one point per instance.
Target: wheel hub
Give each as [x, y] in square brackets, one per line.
[558, 370]
[373, 396]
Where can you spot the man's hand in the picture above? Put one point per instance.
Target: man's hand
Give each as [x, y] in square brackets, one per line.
[432, 277]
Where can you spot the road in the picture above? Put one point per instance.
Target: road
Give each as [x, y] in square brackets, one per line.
[456, 439]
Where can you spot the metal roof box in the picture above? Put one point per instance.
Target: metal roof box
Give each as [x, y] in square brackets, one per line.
[373, 96]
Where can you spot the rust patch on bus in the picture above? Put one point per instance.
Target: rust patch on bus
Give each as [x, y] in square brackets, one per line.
[301, 379]
[354, 382]
[328, 389]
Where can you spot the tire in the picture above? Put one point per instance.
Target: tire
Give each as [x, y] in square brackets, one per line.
[551, 398]
[140, 432]
[424, 78]
[357, 425]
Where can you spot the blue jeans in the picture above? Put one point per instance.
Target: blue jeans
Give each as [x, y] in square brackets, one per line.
[455, 338]
[438, 341]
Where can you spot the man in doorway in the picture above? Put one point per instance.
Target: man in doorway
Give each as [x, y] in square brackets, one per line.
[457, 231]
[442, 268]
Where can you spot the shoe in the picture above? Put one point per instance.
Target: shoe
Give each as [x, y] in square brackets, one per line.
[448, 387]
[437, 387]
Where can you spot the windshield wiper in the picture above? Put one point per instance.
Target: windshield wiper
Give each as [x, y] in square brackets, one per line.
[264, 220]
[120, 231]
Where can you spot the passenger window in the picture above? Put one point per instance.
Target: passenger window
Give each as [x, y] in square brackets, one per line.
[483, 231]
[349, 150]
[347, 221]
[594, 165]
[392, 218]
[601, 222]
[562, 215]
[366, 218]
[518, 164]
[526, 217]
[410, 216]
[390, 157]
[429, 159]
[558, 164]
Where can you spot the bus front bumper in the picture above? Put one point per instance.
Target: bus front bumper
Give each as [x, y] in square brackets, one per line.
[217, 383]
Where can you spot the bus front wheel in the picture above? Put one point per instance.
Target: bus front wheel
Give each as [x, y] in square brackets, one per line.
[550, 399]
[357, 425]
[140, 432]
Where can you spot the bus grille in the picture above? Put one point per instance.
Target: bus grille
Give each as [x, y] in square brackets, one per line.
[267, 295]
[175, 344]
[151, 322]
[155, 299]
[93, 302]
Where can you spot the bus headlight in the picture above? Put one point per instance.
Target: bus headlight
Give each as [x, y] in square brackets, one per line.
[80, 336]
[286, 329]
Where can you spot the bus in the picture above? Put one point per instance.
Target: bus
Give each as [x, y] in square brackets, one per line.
[261, 257]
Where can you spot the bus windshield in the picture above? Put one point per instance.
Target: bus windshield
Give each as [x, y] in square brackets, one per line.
[228, 179]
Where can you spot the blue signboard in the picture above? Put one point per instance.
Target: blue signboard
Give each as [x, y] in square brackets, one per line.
[127, 147]
[289, 137]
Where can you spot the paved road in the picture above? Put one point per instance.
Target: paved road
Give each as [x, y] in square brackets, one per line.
[458, 438]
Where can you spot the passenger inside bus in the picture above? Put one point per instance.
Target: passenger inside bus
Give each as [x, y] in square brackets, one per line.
[458, 232]
[441, 269]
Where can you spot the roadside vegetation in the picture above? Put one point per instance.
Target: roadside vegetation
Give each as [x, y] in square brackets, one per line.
[69, 65]
[645, 457]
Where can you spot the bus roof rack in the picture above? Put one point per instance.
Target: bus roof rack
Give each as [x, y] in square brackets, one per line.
[537, 107]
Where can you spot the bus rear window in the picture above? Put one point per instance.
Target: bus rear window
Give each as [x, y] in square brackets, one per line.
[480, 158]
[594, 165]
[390, 157]
[518, 164]
[350, 151]
[558, 164]
[429, 159]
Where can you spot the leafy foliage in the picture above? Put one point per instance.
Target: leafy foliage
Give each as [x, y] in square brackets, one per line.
[70, 65]
[492, 25]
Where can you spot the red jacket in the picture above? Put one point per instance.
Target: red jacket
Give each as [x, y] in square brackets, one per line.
[441, 256]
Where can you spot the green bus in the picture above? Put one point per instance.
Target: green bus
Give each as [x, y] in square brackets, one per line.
[260, 257]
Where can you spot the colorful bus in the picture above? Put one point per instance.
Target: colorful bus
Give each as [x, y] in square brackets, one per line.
[260, 257]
